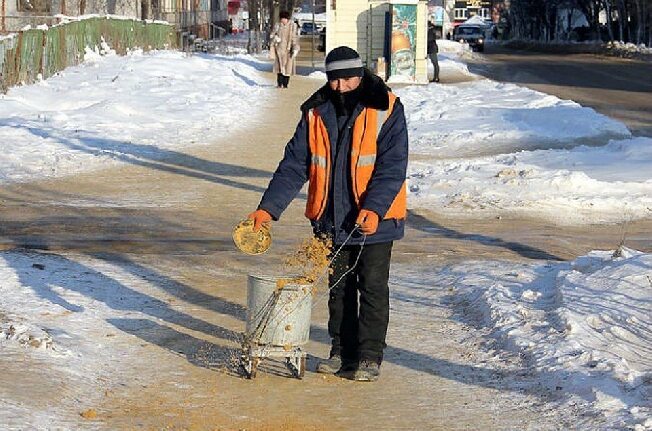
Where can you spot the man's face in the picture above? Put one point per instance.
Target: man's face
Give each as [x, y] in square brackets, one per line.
[344, 85]
[284, 21]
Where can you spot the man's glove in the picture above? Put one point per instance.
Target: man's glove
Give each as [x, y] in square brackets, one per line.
[259, 217]
[368, 221]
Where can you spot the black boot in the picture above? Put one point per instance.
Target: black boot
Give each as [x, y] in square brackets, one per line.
[330, 365]
[368, 371]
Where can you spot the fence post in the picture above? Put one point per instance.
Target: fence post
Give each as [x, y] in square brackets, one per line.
[42, 60]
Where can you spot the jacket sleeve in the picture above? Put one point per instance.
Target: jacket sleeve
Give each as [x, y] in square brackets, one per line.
[391, 163]
[290, 175]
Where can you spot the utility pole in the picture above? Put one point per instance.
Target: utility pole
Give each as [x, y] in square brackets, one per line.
[312, 35]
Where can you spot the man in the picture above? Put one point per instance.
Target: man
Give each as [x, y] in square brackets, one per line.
[351, 145]
[433, 49]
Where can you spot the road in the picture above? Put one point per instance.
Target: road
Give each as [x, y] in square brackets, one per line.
[618, 88]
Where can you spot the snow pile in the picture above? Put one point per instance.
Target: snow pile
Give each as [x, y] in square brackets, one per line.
[629, 47]
[93, 55]
[26, 336]
[488, 148]
[582, 185]
[318, 75]
[125, 108]
[488, 117]
[477, 20]
[583, 328]
[452, 66]
[450, 57]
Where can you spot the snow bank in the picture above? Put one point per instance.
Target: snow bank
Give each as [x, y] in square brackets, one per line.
[485, 148]
[117, 108]
[488, 117]
[584, 327]
[629, 47]
[582, 185]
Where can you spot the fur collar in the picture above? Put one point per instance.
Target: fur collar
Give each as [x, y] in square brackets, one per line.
[373, 95]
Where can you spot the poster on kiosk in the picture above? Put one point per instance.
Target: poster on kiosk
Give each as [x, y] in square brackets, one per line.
[403, 42]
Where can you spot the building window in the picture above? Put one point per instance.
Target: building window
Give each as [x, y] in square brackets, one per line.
[40, 6]
[459, 13]
[484, 12]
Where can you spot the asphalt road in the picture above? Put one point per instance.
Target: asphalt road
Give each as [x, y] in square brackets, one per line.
[619, 88]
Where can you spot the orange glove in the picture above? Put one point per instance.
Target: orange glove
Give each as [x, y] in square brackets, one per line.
[368, 221]
[259, 217]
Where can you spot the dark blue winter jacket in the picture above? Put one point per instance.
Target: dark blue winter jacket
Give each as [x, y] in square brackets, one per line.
[389, 172]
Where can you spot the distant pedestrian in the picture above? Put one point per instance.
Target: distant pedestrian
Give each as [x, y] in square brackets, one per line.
[433, 49]
[283, 48]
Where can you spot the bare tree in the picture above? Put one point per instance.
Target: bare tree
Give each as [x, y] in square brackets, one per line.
[255, 29]
[627, 20]
[287, 5]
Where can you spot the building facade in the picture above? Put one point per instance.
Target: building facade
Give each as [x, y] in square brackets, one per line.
[463, 10]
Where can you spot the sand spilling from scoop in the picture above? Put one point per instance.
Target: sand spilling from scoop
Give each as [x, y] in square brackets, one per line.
[309, 261]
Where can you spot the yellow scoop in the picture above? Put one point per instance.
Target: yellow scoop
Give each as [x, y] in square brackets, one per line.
[251, 242]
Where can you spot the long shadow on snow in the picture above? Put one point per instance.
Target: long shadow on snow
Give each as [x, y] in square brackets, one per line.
[198, 352]
[173, 287]
[68, 275]
[263, 66]
[260, 66]
[152, 157]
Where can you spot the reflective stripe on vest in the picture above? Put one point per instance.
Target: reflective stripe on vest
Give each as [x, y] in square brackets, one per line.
[319, 171]
[364, 144]
[319, 161]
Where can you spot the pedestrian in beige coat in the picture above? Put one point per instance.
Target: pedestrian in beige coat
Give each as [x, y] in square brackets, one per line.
[284, 47]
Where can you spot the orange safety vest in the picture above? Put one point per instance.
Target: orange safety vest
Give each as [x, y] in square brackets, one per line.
[363, 160]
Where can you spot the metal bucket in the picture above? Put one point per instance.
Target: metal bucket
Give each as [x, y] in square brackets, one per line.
[277, 317]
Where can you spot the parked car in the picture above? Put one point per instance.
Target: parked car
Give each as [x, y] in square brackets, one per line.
[471, 34]
[308, 28]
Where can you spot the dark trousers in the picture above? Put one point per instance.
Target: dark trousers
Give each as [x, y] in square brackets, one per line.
[435, 63]
[282, 80]
[358, 324]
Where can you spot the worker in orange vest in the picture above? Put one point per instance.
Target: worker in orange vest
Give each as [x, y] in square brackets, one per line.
[351, 145]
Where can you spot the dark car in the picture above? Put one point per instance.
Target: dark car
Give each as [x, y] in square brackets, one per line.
[308, 28]
[473, 35]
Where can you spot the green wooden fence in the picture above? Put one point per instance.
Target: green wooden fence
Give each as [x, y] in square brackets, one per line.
[45, 52]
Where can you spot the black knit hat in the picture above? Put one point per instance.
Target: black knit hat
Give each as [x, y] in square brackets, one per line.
[343, 62]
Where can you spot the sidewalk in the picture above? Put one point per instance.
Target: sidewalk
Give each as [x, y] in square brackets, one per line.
[170, 305]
